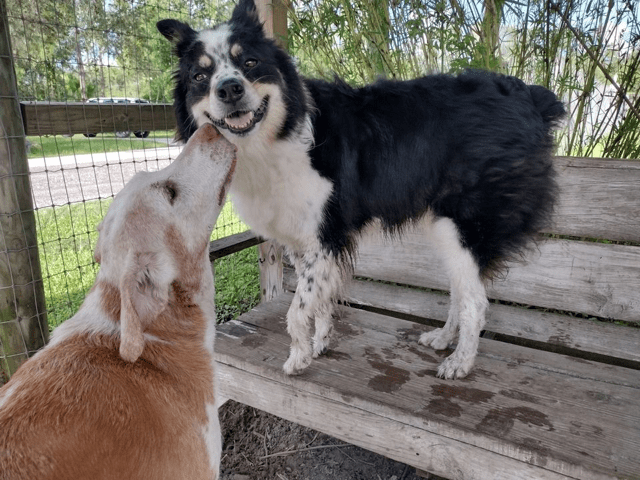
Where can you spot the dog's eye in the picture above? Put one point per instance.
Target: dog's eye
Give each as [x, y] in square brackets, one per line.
[171, 191]
[250, 63]
[199, 77]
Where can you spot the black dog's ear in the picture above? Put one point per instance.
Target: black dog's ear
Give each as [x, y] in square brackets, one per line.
[246, 10]
[175, 31]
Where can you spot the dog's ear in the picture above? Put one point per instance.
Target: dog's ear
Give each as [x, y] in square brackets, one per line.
[176, 32]
[144, 292]
[246, 11]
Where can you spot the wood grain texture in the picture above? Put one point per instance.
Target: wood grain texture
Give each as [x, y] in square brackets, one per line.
[271, 272]
[273, 13]
[232, 244]
[606, 339]
[57, 118]
[599, 198]
[402, 442]
[561, 415]
[590, 278]
[554, 329]
[23, 318]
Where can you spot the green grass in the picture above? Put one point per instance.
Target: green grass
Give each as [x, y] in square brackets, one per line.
[67, 236]
[57, 145]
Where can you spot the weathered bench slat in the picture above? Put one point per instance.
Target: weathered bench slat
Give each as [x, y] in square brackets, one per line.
[609, 340]
[606, 339]
[560, 414]
[599, 198]
[590, 278]
[402, 442]
[232, 244]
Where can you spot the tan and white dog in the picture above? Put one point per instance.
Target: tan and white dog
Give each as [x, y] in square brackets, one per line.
[125, 388]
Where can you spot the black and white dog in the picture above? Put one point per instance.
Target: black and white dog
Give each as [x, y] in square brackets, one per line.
[468, 155]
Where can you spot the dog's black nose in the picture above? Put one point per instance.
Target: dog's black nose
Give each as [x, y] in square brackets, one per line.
[230, 90]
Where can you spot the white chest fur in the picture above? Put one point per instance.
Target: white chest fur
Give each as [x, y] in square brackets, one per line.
[277, 192]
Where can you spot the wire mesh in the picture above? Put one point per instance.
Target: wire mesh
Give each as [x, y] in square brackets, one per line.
[94, 52]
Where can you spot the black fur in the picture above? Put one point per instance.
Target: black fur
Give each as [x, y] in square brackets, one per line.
[475, 148]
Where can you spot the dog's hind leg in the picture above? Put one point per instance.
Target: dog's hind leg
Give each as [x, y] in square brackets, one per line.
[318, 281]
[468, 303]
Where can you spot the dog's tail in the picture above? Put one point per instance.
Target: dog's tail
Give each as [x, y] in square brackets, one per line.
[546, 102]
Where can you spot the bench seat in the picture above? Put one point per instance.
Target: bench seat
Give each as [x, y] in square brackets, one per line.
[521, 413]
[555, 392]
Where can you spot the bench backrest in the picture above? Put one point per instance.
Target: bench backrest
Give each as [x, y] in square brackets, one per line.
[589, 265]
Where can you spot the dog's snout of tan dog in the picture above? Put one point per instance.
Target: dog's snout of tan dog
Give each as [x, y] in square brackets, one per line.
[139, 352]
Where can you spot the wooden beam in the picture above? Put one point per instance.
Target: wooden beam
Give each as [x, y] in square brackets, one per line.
[23, 318]
[274, 15]
[232, 244]
[271, 270]
[57, 118]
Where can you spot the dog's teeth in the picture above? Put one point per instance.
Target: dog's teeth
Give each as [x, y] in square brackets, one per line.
[241, 122]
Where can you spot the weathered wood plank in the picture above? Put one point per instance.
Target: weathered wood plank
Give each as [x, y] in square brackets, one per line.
[232, 244]
[57, 118]
[405, 443]
[563, 415]
[590, 278]
[560, 330]
[270, 270]
[599, 198]
[23, 318]
[273, 13]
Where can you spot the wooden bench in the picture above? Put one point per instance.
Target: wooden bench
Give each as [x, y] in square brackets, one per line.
[555, 393]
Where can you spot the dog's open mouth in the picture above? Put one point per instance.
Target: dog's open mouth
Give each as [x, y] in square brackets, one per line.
[242, 121]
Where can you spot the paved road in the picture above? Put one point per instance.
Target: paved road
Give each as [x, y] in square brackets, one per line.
[74, 178]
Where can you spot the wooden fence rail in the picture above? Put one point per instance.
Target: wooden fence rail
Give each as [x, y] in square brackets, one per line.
[59, 118]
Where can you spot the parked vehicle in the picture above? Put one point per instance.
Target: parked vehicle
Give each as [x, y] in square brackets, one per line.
[126, 133]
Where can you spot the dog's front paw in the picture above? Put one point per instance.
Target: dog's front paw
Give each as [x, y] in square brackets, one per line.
[438, 339]
[455, 366]
[297, 362]
[320, 345]
[320, 348]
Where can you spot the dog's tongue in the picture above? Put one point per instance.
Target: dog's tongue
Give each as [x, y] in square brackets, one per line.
[240, 122]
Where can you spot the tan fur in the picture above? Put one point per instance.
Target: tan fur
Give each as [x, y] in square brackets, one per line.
[236, 50]
[205, 61]
[125, 389]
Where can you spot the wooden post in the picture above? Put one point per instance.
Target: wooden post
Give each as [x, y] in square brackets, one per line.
[23, 320]
[274, 15]
[271, 276]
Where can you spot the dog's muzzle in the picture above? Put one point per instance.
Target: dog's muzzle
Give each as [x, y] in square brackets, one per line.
[239, 122]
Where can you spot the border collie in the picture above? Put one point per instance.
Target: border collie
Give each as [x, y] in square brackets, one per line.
[318, 161]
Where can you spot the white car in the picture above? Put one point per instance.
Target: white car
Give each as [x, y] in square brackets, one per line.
[126, 133]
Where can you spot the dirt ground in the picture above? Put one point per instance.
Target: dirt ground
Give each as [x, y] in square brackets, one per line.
[259, 446]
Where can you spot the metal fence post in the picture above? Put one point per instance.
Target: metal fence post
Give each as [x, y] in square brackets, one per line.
[23, 319]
